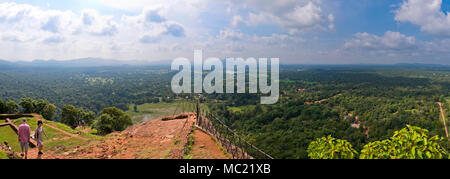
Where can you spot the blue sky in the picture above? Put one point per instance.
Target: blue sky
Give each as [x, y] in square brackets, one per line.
[296, 31]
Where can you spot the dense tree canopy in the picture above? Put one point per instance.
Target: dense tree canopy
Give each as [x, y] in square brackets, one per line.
[357, 103]
[74, 117]
[112, 119]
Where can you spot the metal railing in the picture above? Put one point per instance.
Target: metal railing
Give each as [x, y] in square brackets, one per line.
[234, 145]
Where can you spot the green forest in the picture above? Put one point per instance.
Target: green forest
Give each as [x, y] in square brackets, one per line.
[356, 103]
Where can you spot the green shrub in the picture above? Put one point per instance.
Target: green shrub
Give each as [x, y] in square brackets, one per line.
[331, 148]
[409, 143]
[112, 119]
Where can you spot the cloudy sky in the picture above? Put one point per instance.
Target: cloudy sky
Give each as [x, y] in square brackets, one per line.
[296, 31]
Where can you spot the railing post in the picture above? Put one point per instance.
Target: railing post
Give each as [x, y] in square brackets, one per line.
[198, 114]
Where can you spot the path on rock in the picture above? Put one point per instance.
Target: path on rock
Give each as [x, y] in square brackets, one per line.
[154, 139]
[164, 138]
[205, 147]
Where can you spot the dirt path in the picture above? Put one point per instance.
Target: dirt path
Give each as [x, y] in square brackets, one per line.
[205, 147]
[33, 152]
[443, 119]
[65, 132]
[36, 116]
[154, 139]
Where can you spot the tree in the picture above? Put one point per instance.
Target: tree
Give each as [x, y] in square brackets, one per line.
[112, 119]
[73, 116]
[331, 148]
[8, 107]
[48, 112]
[39, 106]
[104, 124]
[87, 118]
[69, 116]
[28, 105]
[11, 107]
[409, 143]
[2, 107]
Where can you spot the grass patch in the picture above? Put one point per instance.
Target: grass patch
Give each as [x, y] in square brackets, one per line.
[62, 126]
[91, 136]
[32, 122]
[3, 155]
[7, 134]
[66, 144]
[56, 138]
[189, 145]
[240, 108]
[151, 111]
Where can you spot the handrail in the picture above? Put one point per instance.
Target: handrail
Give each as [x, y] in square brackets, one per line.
[234, 144]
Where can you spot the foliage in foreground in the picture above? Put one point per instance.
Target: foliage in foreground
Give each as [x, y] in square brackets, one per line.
[409, 143]
[331, 148]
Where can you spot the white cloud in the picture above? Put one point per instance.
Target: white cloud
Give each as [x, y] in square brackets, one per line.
[237, 20]
[230, 34]
[296, 16]
[282, 40]
[149, 39]
[174, 29]
[151, 24]
[95, 24]
[186, 8]
[154, 15]
[30, 32]
[53, 39]
[425, 13]
[394, 41]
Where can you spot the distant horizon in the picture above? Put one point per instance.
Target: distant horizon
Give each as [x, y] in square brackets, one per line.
[167, 62]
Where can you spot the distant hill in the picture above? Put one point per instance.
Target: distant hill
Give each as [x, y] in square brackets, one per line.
[82, 62]
[6, 64]
[100, 62]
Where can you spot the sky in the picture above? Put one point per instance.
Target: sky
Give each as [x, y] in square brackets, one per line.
[296, 31]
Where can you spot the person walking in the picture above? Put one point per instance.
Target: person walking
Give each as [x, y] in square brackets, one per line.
[24, 137]
[38, 135]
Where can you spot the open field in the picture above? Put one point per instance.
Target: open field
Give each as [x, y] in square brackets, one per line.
[151, 111]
